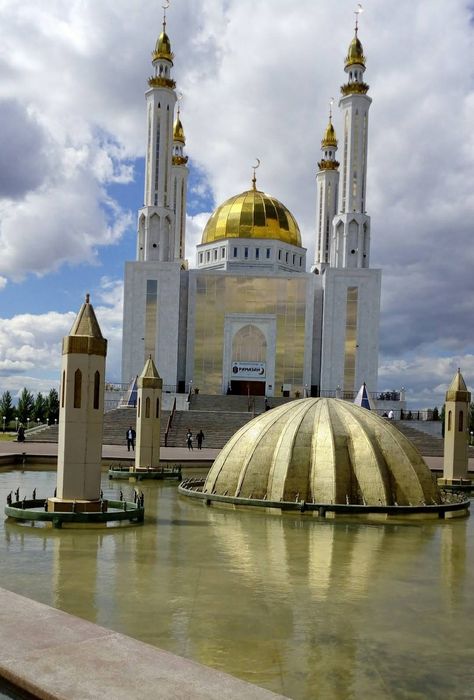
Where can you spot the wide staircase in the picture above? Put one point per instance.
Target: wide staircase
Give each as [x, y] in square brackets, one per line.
[219, 417]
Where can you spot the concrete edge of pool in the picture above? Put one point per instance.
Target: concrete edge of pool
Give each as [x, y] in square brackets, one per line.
[52, 654]
[192, 488]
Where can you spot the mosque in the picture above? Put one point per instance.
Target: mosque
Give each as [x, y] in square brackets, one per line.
[250, 317]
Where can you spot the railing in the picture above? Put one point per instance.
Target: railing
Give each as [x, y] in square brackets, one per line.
[169, 423]
[350, 395]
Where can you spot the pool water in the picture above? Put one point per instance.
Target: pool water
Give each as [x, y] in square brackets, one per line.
[321, 610]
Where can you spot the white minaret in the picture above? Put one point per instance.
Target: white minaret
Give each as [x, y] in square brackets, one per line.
[81, 415]
[156, 219]
[147, 448]
[327, 181]
[179, 178]
[350, 247]
[456, 432]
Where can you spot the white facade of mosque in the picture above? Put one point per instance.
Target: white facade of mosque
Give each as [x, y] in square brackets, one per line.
[249, 318]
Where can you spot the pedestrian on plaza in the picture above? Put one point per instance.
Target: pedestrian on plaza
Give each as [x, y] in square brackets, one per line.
[130, 435]
[391, 415]
[189, 439]
[200, 438]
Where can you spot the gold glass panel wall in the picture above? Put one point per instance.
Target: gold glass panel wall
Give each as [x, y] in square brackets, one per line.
[249, 345]
[150, 317]
[351, 339]
[217, 296]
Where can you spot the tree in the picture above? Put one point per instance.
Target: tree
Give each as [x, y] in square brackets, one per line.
[25, 406]
[7, 410]
[435, 413]
[39, 408]
[52, 406]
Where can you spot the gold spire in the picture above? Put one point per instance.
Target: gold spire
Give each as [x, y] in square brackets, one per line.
[329, 138]
[163, 43]
[355, 54]
[85, 336]
[86, 322]
[178, 131]
[149, 378]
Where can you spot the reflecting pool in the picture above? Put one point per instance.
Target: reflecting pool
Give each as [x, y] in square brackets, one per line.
[325, 610]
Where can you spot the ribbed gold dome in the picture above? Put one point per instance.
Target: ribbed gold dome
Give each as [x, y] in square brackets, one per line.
[178, 131]
[355, 55]
[163, 47]
[252, 214]
[329, 138]
[322, 451]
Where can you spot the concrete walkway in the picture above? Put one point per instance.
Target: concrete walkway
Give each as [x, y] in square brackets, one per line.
[117, 453]
[109, 452]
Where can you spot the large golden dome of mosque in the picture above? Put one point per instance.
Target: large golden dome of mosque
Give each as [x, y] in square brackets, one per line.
[252, 214]
[326, 451]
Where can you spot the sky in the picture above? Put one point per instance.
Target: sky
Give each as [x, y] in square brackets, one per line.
[256, 78]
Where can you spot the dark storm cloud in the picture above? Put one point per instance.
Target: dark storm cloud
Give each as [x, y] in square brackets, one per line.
[22, 151]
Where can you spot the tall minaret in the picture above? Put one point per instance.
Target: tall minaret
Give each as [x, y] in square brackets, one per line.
[179, 175]
[351, 227]
[156, 220]
[456, 431]
[327, 181]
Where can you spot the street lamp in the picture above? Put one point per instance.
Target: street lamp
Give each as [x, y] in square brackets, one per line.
[27, 422]
[16, 422]
[38, 421]
[4, 421]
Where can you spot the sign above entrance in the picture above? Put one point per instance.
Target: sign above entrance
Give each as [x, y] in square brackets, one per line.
[248, 370]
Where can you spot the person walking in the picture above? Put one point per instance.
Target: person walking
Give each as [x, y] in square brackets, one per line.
[391, 415]
[200, 438]
[189, 439]
[130, 435]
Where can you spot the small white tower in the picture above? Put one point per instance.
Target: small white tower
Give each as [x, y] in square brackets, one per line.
[156, 219]
[350, 247]
[179, 177]
[81, 415]
[327, 181]
[456, 432]
[149, 385]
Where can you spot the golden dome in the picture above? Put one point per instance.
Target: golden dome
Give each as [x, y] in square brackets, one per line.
[329, 138]
[325, 451]
[163, 47]
[178, 131]
[252, 214]
[355, 55]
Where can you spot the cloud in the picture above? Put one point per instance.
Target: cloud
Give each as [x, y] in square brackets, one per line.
[31, 343]
[72, 97]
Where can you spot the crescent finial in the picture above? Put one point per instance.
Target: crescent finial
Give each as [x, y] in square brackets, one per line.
[254, 179]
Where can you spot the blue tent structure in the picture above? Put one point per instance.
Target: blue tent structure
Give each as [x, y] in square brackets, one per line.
[362, 399]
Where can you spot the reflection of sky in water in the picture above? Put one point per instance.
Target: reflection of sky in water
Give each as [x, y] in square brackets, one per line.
[311, 609]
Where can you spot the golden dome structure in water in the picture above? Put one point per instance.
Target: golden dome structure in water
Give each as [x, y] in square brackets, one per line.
[323, 451]
[252, 214]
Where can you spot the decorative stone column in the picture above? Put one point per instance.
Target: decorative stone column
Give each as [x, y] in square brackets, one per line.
[149, 386]
[81, 416]
[456, 432]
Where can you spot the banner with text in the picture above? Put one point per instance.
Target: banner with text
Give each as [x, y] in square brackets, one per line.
[248, 370]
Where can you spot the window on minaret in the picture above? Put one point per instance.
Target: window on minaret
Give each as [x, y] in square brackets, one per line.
[157, 408]
[461, 421]
[96, 390]
[449, 420]
[77, 388]
[147, 407]
[344, 177]
[63, 388]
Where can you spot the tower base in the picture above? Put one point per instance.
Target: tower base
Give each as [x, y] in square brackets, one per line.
[63, 505]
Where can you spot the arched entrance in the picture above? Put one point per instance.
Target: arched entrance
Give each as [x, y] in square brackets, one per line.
[248, 367]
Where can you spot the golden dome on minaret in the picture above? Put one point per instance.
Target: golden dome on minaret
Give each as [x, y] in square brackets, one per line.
[355, 54]
[252, 214]
[178, 131]
[329, 138]
[163, 46]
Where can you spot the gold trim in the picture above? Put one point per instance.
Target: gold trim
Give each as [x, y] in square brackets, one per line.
[158, 81]
[328, 164]
[179, 160]
[354, 88]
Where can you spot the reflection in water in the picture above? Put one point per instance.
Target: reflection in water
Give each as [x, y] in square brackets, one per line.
[328, 610]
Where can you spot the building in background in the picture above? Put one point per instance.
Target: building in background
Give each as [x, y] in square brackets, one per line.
[249, 318]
